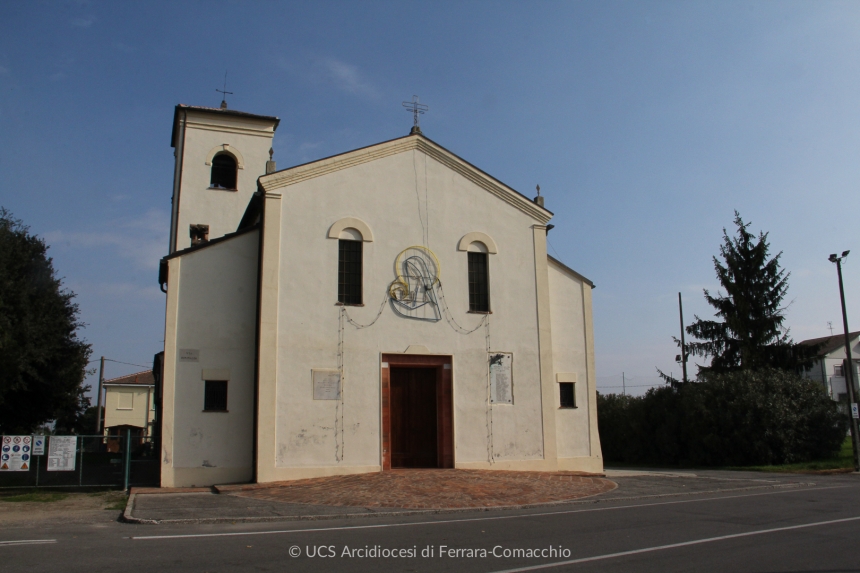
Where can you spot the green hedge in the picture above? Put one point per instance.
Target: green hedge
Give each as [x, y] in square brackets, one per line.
[734, 419]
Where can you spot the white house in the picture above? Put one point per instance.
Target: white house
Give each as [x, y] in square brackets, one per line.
[391, 306]
[829, 367]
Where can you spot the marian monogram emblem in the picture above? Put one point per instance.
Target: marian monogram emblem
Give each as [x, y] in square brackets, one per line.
[413, 292]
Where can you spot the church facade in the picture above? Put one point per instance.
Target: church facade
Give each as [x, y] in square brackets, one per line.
[389, 307]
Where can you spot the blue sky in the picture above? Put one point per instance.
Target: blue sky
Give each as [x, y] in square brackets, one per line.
[646, 125]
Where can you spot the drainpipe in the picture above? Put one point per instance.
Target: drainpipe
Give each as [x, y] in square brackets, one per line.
[177, 183]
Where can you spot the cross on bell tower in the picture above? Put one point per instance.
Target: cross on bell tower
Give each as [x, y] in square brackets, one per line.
[224, 93]
[417, 109]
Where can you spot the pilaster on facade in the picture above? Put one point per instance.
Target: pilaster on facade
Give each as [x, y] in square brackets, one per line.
[547, 376]
[267, 368]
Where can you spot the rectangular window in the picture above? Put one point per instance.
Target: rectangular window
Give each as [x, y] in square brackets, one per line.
[479, 283]
[567, 394]
[837, 370]
[349, 272]
[215, 398]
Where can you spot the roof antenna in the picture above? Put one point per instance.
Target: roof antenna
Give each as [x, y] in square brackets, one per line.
[416, 109]
[224, 92]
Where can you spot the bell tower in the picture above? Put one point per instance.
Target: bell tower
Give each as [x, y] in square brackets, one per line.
[219, 154]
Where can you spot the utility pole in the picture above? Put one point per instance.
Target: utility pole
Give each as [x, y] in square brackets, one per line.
[623, 385]
[849, 377]
[683, 346]
[99, 399]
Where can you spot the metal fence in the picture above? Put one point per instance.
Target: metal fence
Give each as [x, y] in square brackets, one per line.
[119, 461]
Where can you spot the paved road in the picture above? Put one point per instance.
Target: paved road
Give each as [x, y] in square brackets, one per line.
[803, 528]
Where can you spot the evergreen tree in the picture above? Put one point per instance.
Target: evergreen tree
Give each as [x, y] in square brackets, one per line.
[42, 361]
[751, 335]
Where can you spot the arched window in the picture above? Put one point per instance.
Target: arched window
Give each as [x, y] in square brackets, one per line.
[479, 247]
[349, 267]
[223, 172]
[479, 279]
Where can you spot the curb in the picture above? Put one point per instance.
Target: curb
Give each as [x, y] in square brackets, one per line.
[129, 518]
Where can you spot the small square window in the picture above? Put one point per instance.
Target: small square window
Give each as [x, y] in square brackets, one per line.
[215, 398]
[837, 370]
[199, 234]
[567, 395]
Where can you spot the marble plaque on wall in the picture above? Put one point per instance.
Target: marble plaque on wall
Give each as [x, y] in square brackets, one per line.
[326, 384]
[501, 378]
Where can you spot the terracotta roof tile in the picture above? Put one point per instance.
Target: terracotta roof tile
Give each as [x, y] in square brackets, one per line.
[144, 378]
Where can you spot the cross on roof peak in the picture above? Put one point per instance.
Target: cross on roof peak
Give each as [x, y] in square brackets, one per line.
[417, 109]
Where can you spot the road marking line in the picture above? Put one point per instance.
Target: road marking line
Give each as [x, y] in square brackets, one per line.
[27, 542]
[448, 521]
[675, 545]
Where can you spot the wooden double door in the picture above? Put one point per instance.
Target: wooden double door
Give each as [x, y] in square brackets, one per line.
[414, 430]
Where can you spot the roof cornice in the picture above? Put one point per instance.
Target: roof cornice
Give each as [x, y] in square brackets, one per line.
[570, 271]
[294, 175]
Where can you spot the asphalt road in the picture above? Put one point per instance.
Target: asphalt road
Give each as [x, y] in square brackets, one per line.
[809, 528]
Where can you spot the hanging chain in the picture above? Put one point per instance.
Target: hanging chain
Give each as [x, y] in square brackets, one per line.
[490, 445]
[449, 317]
[371, 323]
[338, 410]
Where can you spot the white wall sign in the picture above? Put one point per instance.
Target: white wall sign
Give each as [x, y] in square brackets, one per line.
[15, 452]
[326, 384]
[501, 378]
[61, 453]
[855, 412]
[38, 445]
[189, 355]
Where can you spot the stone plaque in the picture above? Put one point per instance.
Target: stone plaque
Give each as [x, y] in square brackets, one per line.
[326, 384]
[501, 378]
[189, 355]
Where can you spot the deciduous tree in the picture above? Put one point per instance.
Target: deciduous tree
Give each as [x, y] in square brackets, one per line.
[42, 359]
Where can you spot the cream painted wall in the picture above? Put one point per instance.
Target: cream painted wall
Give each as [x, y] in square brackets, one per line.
[215, 314]
[386, 194]
[141, 413]
[408, 192]
[220, 209]
[569, 356]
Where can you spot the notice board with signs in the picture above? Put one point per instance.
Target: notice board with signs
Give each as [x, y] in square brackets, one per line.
[501, 378]
[38, 445]
[61, 453]
[15, 453]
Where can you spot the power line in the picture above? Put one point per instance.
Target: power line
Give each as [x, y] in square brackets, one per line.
[631, 386]
[128, 363]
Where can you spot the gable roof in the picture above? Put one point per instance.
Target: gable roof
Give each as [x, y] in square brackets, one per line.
[830, 343]
[305, 171]
[144, 378]
[210, 242]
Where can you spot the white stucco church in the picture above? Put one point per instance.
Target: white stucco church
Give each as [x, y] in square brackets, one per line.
[388, 307]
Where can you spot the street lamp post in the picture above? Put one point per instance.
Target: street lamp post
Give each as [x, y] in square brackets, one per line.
[849, 377]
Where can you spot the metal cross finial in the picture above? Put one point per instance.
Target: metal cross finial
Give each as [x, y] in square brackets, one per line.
[416, 109]
[224, 93]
